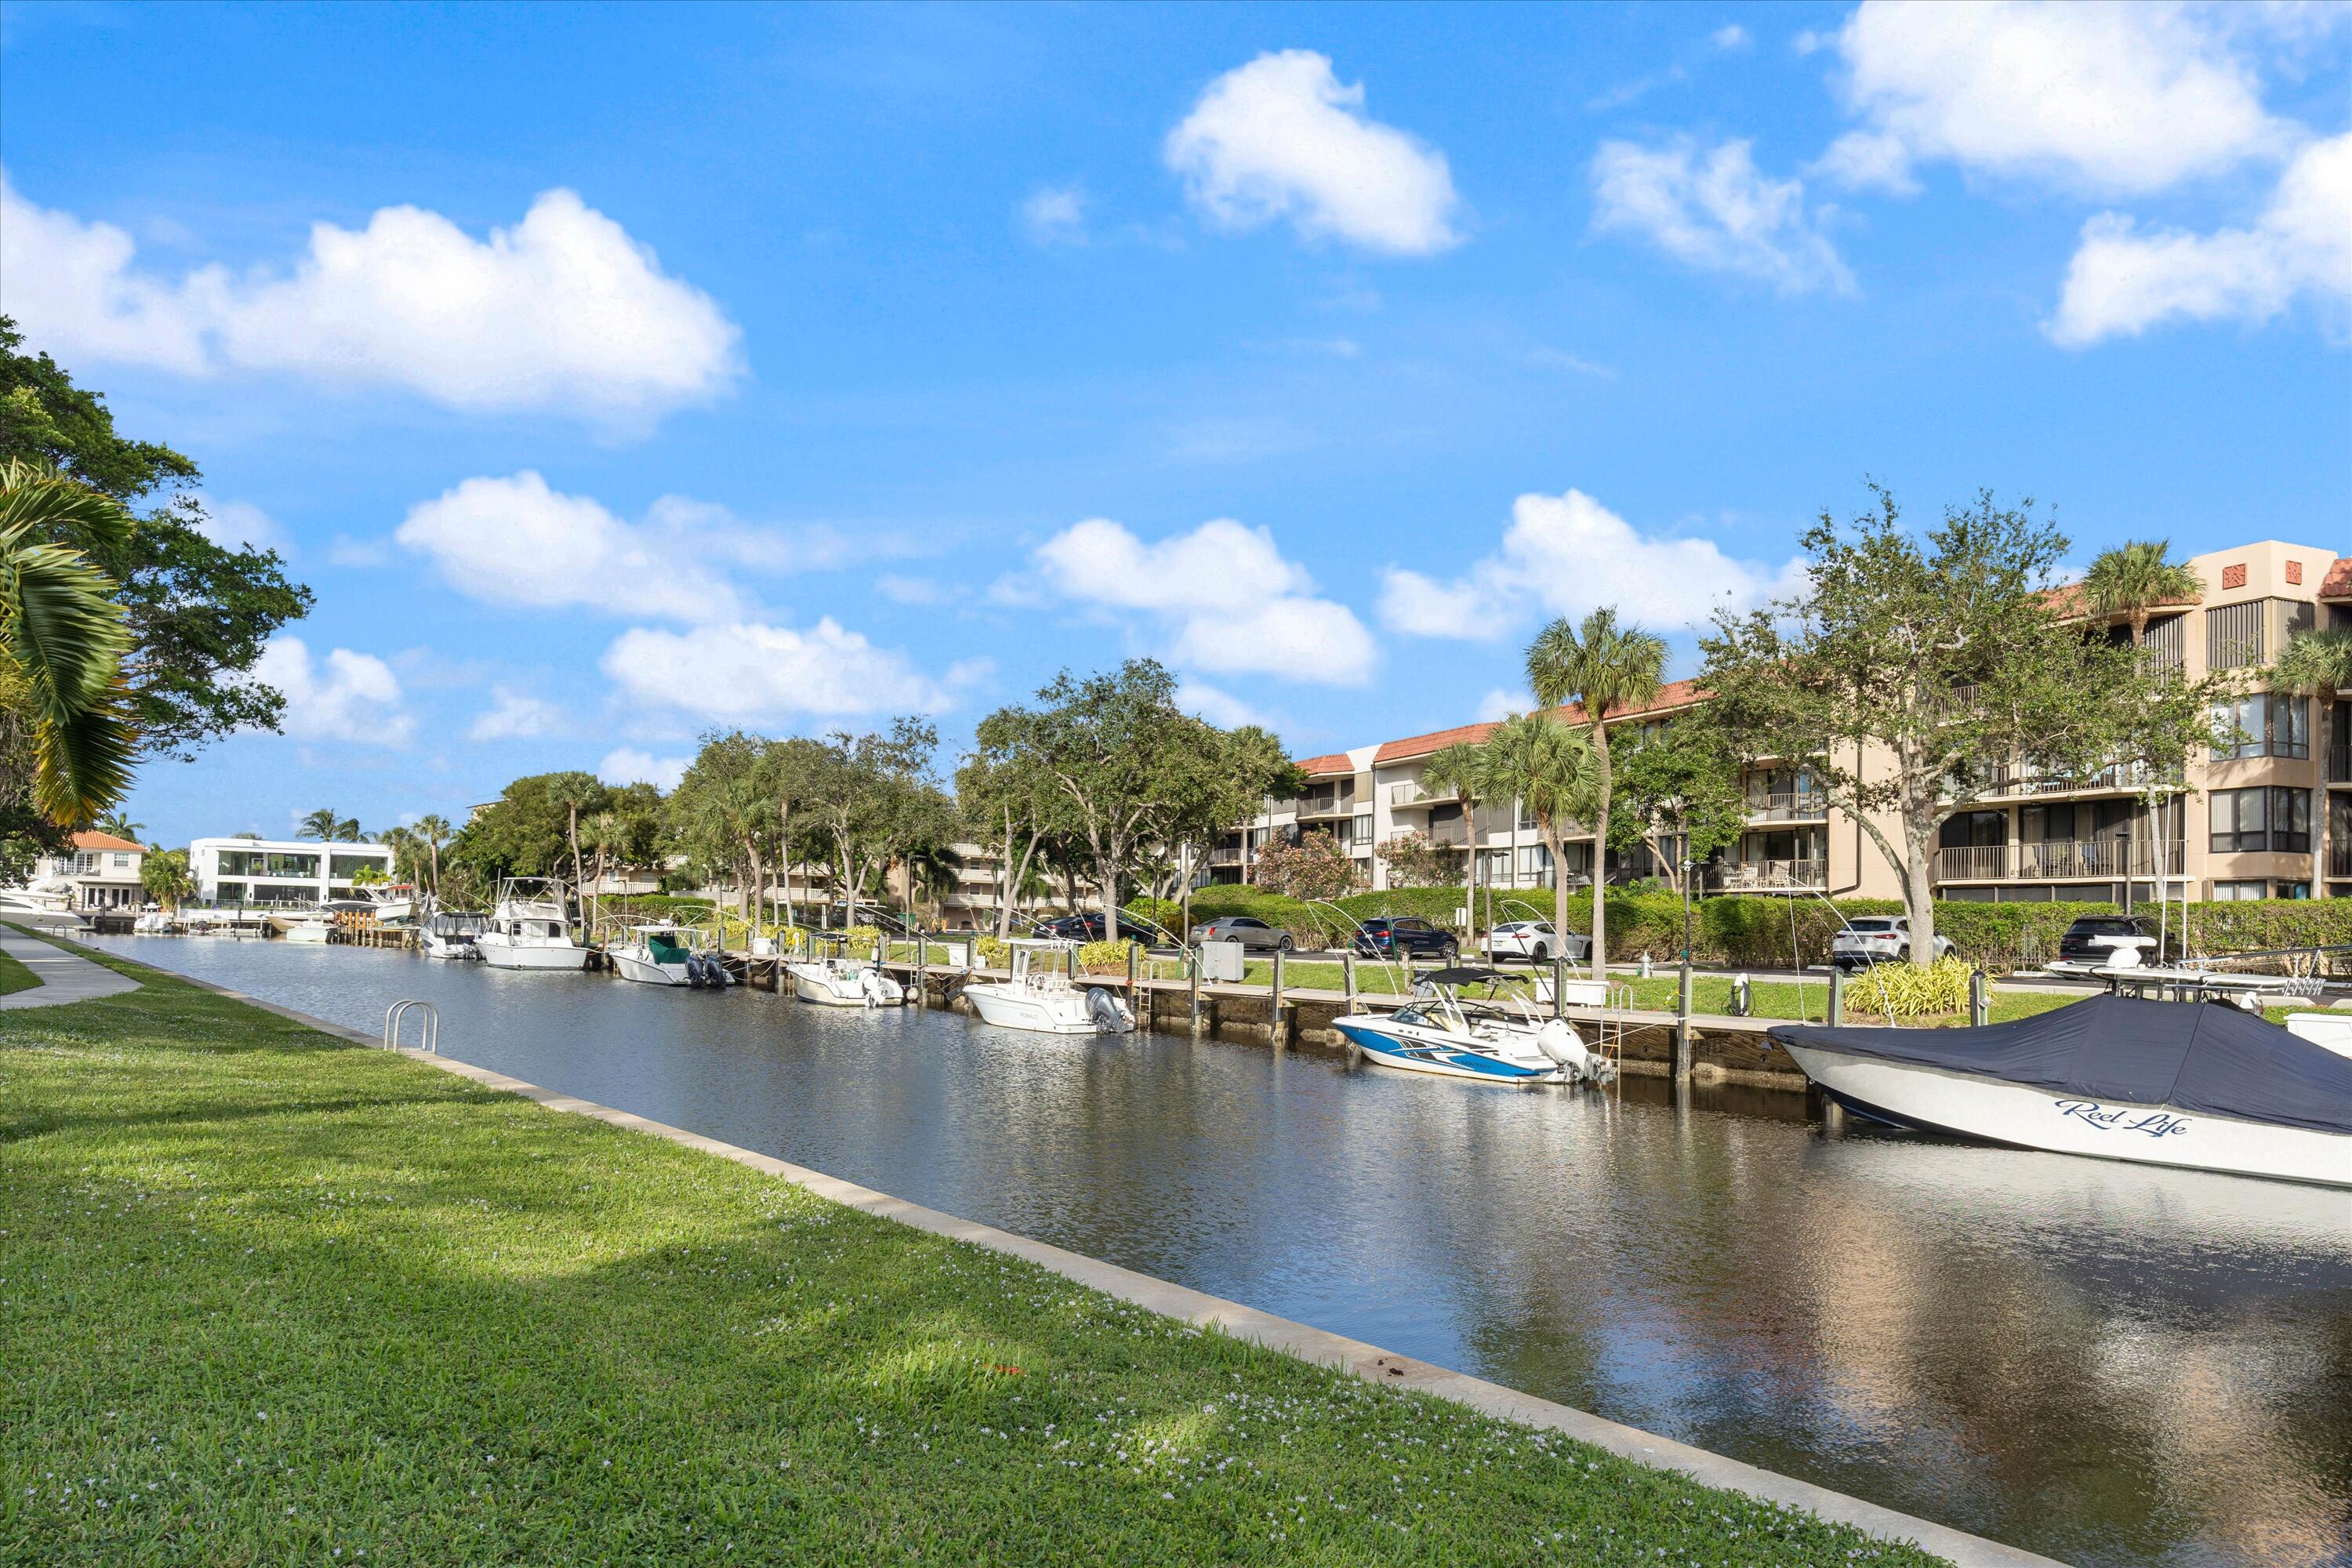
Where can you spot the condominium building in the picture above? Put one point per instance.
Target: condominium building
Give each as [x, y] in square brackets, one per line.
[272, 871]
[2268, 816]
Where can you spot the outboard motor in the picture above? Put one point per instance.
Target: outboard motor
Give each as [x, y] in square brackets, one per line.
[1559, 1040]
[870, 984]
[1109, 1014]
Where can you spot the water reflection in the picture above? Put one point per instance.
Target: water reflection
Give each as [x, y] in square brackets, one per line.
[2105, 1364]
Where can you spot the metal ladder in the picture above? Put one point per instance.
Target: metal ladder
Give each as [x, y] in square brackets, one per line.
[428, 1028]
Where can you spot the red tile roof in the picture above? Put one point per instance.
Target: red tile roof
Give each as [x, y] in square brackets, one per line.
[2338, 584]
[1437, 740]
[1674, 694]
[1332, 765]
[103, 841]
[2069, 600]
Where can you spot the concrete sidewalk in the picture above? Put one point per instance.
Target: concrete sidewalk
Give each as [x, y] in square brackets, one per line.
[65, 976]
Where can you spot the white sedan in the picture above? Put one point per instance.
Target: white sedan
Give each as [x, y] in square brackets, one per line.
[1534, 940]
[1875, 939]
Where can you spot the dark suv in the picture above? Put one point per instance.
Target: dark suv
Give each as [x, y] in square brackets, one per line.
[1407, 936]
[1086, 927]
[2080, 943]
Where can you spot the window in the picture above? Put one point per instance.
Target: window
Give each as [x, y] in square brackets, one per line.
[1363, 825]
[345, 866]
[2263, 725]
[1535, 860]
[1978, 829]
[2255, 819]
[2239, 892]
[122, 861]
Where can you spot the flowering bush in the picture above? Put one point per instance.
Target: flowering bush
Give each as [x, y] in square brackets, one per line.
[1314, 867]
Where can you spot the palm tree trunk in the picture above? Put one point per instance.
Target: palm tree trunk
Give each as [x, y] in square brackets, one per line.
[1600, 855]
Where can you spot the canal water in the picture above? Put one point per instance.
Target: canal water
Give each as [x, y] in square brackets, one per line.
[2108, 1364]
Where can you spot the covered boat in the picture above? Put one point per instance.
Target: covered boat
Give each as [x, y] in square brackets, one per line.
[665, 955]
[2197, 1084]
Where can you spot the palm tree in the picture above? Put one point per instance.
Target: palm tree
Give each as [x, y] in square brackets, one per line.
[62, 642]
[432, 830]
[164, 873]
[605, 833]
[1609, 668]
[2135, 577]
[324, 826]
[1550, 769]
[118, 824]
[1460, 769]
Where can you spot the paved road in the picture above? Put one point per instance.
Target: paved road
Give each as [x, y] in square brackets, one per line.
[65, 976]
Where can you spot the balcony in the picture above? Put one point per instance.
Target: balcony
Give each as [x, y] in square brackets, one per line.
[1412, 794]
[1788, 806]
[1770, 876]
[1448, 835]
[1225, 857]
[1342, 803]
[2011, 779]
[2058, 860]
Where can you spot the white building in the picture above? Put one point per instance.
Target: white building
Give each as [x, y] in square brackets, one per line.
[100, 872]
[275, 871]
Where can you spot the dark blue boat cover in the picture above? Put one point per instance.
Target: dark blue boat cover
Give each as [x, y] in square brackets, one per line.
[2195, 1056]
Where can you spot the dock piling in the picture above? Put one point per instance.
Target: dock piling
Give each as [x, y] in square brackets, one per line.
[1348, 969]
[1274, 1023]
[1837, 996]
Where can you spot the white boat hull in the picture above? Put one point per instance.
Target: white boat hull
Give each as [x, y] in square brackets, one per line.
[826, 988]
[1048, 1013]
[442, 947]
[1938, 1100]
[500, 954]
[645, 971]
[1440, 1055]
[314, 935]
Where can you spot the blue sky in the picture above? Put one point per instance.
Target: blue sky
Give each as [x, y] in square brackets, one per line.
[612, 374]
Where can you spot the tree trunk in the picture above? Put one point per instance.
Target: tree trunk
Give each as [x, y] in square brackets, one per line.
[1600, 854]
[1469, 869]
[1919, 894]
[1550, 831]
[785, 852]
[1008, 885]
[1106, 872]
[574, 834]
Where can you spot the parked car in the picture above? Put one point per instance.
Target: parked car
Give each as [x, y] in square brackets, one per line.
[1869, 939]
[1406, 936]
[1087, 927]
[2093, 939]
[1534, 940]
[1247, 930]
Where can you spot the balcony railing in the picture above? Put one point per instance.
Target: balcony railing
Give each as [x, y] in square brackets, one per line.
[1771, 876]
[1327, 805]
[2008, 779]
[1448, 835]
[1788, 806]
[1413, 794]
[1225, 857]
[2058, 860]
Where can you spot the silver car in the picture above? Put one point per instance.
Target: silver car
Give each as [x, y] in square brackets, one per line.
[1872, 938]
[1247, 930]
[1534, 940]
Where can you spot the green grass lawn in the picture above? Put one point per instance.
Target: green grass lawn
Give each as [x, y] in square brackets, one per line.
[14, 976]
[269, 1298]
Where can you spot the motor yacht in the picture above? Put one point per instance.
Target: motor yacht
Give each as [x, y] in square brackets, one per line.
[1494, 1037]
[664, 955]
[2202, 1085]
[450, 933]
[1042, 998]
[531, 928]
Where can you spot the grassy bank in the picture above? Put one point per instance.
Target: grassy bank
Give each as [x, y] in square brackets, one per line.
[268, 1297]
[14, 976]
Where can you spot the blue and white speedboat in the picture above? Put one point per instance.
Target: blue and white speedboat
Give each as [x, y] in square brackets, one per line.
[1496, 1039]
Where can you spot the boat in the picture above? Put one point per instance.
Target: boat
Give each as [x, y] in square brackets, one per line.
[315, 928]
[450, 933]
[664, 955]
[531, 928]
[2200, 1085]
[1044, 1000]
[1494, 1038]
[28, 906]
[151, 921]
[844, 982]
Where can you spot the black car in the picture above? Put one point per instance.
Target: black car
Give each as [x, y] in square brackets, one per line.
[2081, 944]
[1087, 927]
[1407, 936]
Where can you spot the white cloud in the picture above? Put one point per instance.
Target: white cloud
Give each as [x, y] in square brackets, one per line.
[2124, 279]
[240, 525]
[901, 590]
[1714, 209]
[1055, 214]
[515, 716]
[562, 311]
[627, 765]
[1730, 36]
[750, 673]
[1220, 708]
[1566, 555]
[1226, 599]
[1501, 702]
[2122, 99]
[1281, 137]
[345, 697]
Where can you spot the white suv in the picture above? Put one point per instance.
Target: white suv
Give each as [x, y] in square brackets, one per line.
[1868, 939]
[1533, 940]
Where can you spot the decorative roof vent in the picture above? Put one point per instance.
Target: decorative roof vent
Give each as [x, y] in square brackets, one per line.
[2294, 572]
[2234, 576]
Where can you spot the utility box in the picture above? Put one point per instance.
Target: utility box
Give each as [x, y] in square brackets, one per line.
[1222, 960]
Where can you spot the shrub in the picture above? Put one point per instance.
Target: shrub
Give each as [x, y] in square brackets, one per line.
[1904, 991]
[2266, 923]
[1314, 867]
[864, 941]
[1105, 957]
[991, 952]
[1164, 913]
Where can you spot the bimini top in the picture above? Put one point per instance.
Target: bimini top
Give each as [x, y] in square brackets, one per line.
[2197, 1056]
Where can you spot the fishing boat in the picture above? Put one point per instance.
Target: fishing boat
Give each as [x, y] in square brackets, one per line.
[664, 955]
[1040, 998]
[844, 982]
[1495, 1037]
[450, 933]
[531, 928]
[151, 921]
[2202, 1085]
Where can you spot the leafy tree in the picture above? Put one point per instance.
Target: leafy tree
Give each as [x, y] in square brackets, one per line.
[1414, 862]
[873, 800]
[198, 612]
[1008, 799]
[1677, 792]
[725, 809]
[2317, 663]
[1609, 668]
[2134, 578]
[1915, 674]
[326, 827]
[66, 736]
[164, 874]
[1314, 867]
[526, 832]
[1548, 768]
